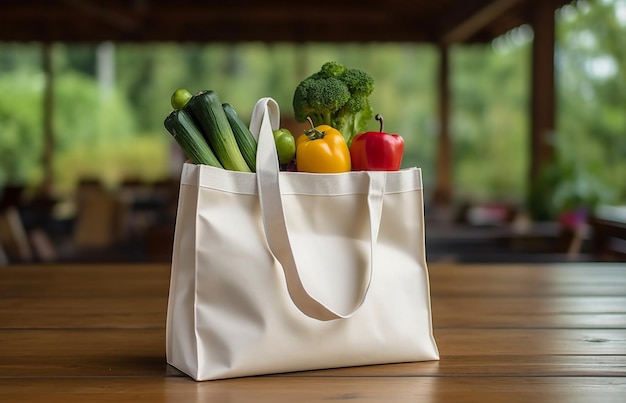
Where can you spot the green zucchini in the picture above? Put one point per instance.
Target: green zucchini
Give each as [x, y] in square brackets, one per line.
[182, 127]
[245, 140]
[207, 111]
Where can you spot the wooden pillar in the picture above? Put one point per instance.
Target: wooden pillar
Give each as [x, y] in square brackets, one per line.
[443, 185]
[543, 86]
[48, 112]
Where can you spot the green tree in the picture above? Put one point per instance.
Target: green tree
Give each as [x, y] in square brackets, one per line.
[20, 126]
[122, 134]
[490, 121]
[591, 67]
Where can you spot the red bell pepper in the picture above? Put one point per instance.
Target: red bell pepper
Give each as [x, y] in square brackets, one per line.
[376, 151]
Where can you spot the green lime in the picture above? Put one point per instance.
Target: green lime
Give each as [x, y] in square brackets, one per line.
[180, 97]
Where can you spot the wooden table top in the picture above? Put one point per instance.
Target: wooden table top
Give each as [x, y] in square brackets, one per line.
[506, 333]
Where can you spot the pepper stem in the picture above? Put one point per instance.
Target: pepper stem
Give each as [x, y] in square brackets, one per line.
[313, 133]
[379, 117]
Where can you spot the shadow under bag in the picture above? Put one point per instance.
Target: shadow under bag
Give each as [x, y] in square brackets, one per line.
[287, 271]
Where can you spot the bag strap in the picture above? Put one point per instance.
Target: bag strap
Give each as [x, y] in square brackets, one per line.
[265, 119]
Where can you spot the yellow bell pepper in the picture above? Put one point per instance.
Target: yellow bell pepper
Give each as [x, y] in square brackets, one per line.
[322, 149]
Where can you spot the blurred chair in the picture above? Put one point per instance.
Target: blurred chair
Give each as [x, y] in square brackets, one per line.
[23, 231]
[97, 217]
[4, 259]
[13, 236]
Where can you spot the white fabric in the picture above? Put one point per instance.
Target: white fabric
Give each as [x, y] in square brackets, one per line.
[285, 271]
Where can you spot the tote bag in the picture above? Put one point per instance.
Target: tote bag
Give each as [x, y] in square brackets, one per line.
[287, 271]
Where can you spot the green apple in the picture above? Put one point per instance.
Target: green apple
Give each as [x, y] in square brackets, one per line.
[285, 145]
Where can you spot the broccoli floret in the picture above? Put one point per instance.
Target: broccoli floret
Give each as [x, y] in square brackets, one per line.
[319, 99]
[358, 81]
[336, 96]
[332, 69]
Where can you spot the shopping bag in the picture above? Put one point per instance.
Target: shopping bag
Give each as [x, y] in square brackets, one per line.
[287, 271]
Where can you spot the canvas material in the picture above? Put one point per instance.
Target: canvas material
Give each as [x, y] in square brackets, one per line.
[280, 271]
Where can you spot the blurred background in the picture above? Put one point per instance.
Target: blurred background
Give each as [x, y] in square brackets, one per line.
[88, 173]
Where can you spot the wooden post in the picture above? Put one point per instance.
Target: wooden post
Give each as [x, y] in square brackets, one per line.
[443, 185]
[48, 130]
[543, 87]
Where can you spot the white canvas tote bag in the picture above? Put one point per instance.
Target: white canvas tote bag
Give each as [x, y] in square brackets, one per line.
[286, 271]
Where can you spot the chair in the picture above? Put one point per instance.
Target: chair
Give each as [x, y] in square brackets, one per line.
[13, 236]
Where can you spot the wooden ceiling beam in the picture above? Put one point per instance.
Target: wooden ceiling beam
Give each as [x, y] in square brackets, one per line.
[444, 22]
[116, 18]
[466, 23]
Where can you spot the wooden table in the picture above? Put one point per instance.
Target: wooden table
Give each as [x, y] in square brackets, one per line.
[506, 333]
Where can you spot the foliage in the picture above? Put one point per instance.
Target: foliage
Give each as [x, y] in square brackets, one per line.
[567, 183]
[117, 132]
[591, 71]
[21, 142]
[94, 134]
[490, 122]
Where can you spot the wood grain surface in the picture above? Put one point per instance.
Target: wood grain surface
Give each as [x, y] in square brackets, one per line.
[506, 333]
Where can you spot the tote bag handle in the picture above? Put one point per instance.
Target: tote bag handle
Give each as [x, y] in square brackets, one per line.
[265, 119]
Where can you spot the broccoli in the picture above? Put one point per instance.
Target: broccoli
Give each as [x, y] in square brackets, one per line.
[332, 69]
[319, 99]
[336, 96]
